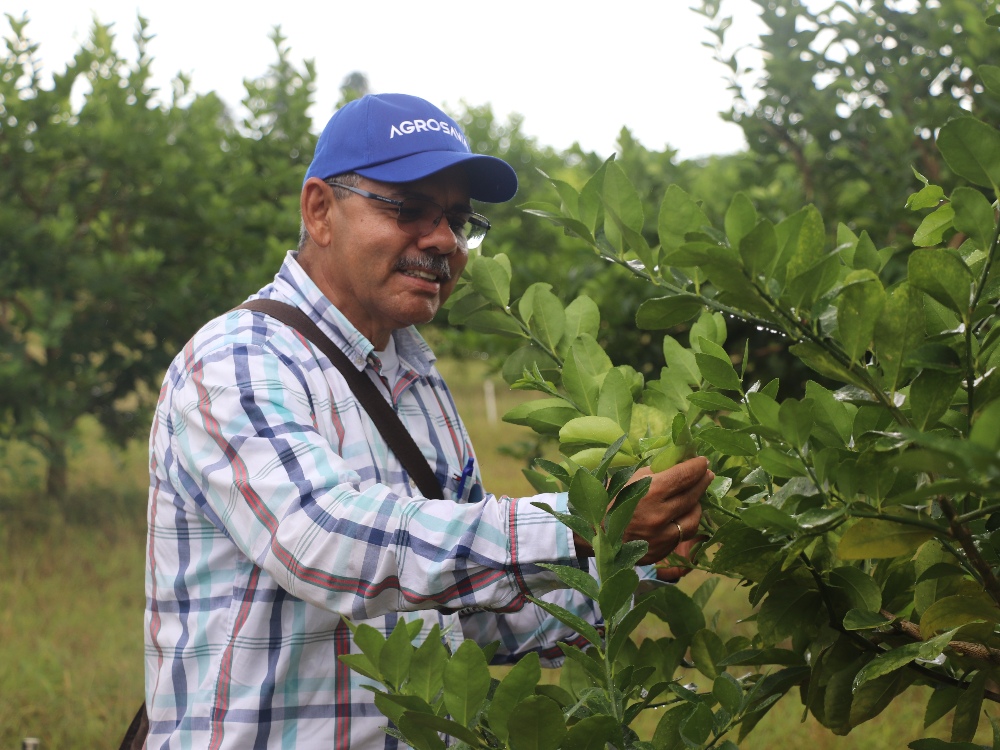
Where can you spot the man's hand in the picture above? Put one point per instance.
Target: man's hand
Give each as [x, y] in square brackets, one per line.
[675, 572]
[670, 511]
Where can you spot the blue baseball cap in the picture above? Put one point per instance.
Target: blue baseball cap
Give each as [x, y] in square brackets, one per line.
[401, 138]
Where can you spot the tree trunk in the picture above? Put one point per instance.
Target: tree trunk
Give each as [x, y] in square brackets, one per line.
[56, 475]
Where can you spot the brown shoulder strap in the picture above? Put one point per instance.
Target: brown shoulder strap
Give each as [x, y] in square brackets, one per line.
[382, 414]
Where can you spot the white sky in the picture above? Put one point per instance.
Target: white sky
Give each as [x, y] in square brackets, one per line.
[576, 71]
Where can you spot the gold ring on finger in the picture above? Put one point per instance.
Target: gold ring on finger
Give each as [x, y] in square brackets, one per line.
[680, 532]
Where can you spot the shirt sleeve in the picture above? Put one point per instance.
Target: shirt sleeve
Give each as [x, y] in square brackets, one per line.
[532, 629]
[250, 456]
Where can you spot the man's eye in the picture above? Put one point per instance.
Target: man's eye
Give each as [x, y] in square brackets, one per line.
[411, 213]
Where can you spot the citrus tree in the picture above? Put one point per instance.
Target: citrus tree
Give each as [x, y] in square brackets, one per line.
[864, 516]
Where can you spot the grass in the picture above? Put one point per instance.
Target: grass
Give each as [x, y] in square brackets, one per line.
[72, 585]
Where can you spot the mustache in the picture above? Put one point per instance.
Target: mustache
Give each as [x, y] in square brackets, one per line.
[435, 264]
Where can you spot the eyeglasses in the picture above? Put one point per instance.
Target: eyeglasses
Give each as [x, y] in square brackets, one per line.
[419, 217]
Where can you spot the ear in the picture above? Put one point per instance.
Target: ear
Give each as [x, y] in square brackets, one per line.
[315, 202]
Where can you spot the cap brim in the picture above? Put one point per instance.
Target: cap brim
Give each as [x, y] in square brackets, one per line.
[491, 180]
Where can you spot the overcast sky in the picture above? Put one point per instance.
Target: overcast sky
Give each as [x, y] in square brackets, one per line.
[576, 71]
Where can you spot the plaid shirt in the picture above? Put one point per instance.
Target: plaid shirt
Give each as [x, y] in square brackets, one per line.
[276, 508]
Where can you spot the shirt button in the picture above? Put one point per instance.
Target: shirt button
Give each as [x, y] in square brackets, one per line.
[413, 485]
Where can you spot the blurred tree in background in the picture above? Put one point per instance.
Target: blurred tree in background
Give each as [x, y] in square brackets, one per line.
[125, 223]
[130, 218]
[850, 97]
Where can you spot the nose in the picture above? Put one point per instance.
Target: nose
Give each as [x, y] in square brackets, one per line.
[441, 239]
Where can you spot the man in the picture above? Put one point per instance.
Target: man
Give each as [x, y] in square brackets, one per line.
[276, 508]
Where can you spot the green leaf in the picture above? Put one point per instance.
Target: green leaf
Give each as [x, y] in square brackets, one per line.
[713, 401]
[626, 625]
[621, 198]
[466, 682]
[754, 657]
[788, 610]
[858, 309]
[758, 249]
[369, 640]
[899, 657]
[681, 361]
[582, 318]
[588, 497]
[823, 362]
[953, 612]
[527, 358]
[624, 507]
[697, 727]
[932, 229]
[879, 538]
[729, 442]
[394, 658]
[796, 418]
[711, 326]
[494, 321]
[968, 709]
[463, 303]
[417, 733]
[943, 275]
[898, 331]
[545, 415]
[491, 279]
[929, 196]
[678, 610]
[986, 429]
[575, 578]
[548, 321]
[707, 650]
[536, 723]
[931, 393]
[990, 76]
[526, 305]
[856, 588]
[617, 591]
[394, 706]
[667, 735]
[972, 149]
[360, 664]
[741, 216]
[718, 372]
[427, 667]
[615, 399]
[933, 743]
[442, 725]
[518, 684]
[576, 622]
[679, 214]
[728, 692]
[769, 519]
[583, 372]
[875, 695]
[974, 216]
[808, 249]
[863, 619]
[592, 733]
[666, 312]
[779, 464]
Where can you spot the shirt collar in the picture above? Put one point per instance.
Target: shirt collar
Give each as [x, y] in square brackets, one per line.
[294, 285]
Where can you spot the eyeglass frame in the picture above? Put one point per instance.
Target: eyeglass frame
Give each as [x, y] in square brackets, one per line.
[476, 219]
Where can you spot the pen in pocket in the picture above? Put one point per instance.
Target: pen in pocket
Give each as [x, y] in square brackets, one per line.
[466, 475]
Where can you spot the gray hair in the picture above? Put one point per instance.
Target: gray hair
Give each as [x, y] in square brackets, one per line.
[348, 178]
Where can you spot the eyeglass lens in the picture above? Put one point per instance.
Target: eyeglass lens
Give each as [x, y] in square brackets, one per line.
[420, 216]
